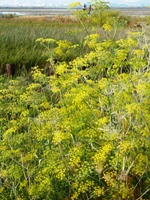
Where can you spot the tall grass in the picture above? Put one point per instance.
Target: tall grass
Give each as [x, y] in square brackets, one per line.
[18, 36]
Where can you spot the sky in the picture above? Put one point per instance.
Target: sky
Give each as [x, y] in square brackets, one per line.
[66, 2]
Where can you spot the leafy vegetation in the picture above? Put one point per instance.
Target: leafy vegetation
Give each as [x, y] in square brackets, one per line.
[84, 132]
[17, 40]
[18, 36]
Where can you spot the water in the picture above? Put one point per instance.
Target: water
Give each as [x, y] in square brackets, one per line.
[134, 11]
[35, 11]
[65, 11]
[12, 13]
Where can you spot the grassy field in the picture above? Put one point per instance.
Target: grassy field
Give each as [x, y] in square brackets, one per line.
[18, 36]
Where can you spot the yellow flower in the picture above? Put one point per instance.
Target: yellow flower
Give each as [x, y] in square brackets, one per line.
[107, 27]
[138, 52]
[61, 69]
[58, 137]
[74, 4]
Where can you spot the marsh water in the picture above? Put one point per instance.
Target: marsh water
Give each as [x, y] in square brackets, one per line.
[134, 11]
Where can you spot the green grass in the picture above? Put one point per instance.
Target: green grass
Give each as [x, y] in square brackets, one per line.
[18, 36]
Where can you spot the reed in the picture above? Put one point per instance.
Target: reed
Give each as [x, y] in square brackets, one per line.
[18, 36]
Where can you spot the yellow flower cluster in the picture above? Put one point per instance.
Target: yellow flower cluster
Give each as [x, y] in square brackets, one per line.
[107, 27]
[92, 40]
[60, 70]
[46, 40]
[101, 156]
[74, 4]
[81, 187]
[58, 137]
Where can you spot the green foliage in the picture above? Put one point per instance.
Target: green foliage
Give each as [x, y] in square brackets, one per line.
[82, 133]
[8, 16]
[21, 34]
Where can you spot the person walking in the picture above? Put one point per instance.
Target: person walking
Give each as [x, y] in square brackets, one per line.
[84, 7]
[90, 9]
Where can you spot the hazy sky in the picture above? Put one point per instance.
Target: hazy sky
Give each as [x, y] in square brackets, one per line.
[66, 2]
